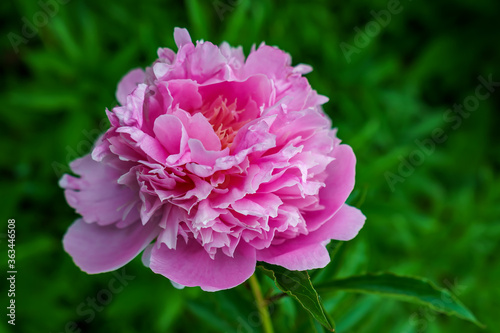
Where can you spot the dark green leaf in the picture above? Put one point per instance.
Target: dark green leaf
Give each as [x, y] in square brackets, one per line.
[410, 289]
[298, 285]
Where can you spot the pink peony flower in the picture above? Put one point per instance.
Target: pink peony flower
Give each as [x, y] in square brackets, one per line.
[212, 163]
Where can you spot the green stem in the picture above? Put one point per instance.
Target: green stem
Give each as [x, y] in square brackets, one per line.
[261, 304]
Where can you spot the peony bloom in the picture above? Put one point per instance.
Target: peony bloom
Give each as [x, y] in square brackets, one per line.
[212, 163]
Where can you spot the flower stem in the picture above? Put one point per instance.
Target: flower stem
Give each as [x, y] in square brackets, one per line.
[261, 304]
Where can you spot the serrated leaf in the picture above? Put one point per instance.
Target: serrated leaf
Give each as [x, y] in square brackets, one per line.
[406, 288]
[298, 285]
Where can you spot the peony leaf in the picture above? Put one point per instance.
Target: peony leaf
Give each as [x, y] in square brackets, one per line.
[406, 288]
[298, 285]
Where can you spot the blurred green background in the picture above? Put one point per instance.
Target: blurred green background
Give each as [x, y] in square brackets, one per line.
[440, 219]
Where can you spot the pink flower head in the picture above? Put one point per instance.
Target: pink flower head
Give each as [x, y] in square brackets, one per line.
[212, 163]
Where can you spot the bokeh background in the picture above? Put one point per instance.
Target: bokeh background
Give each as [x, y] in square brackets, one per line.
[440, 219]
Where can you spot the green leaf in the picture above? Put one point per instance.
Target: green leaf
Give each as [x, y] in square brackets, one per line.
[406, 288]
[298, 285]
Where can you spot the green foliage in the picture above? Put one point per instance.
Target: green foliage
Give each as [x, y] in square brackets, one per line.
[298, 285]
[441, 221]
[405, 288]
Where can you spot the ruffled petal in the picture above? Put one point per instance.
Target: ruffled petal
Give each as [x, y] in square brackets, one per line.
[308, 251]
[96, 194]
[128, 84]
[270, 61]
[338, 185]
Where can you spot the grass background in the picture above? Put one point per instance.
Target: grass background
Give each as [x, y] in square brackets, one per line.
[441, 222]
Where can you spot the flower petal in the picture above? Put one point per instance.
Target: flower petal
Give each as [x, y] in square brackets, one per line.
[296, 258]
[96, 195]
[308, 251]
[190, 265]
[171, 133]
[128, 84]
[268, 60]
[339, 184]
[97, 249]
[344, 225]
[181, 37]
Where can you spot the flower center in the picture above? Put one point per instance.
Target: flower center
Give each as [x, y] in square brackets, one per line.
[225, 119]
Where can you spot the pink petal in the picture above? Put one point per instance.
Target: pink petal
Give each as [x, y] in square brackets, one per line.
[199, 128]
[97, 249]
[259, 204]
[190, 265]
[205, 215]
[257, 88]
[167, 55]
[171, 217]
[268, 60]
[206, 64]
[308, 251]
[143, 143]
[302, 69]
[181, 37]
[202, 155]
[339, 184]
[128, 84]
[294, 257]
[96, 194]
[185, 94]
[131, 113]
[344, 225]
[254, 136]
[171, 133]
